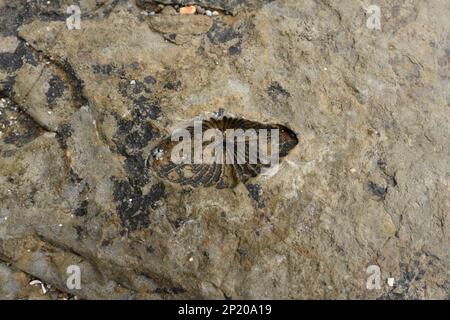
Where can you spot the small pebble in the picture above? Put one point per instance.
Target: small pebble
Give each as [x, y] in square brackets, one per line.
[215, 13]
[168, 10]
[152, 13]
[208, 13]
[133, 82]
[200, 10]
[187, 10]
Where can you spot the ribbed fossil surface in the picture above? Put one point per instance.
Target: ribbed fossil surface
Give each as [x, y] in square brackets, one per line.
[223, 173]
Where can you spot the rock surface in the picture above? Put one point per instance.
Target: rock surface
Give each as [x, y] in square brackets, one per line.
[368, 183]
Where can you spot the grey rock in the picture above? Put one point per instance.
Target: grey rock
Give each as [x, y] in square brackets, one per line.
[367, 184]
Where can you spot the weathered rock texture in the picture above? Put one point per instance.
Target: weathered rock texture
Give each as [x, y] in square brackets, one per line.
[368, 183]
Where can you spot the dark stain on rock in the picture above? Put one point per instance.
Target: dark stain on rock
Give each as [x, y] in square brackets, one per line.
[109, 8]
[55, 90]
[77, 83]
[133, 206]
[275, 91]
[376, 190]
[157, 193]
[133, 135]
[178, 290]
[20, 132]
[136, 89]
[139, 87]
[390, 178]
[171, 37]
[74, 177]
[7, 85]
[83, 191]
[82, 210]
[13, 61]
[105, 69]
[235, 50]
[144, 109]
[123, 89]
[63, 133]
[12, 17]
[255, 192]
[201, 51]
[139, 139]
[221, 33]
[242, 252]
[149, 80]
[179, 222]
[154, 111]
[135, 168]
[173, 85]
[133, 215]
[79, 230]
[404, 283]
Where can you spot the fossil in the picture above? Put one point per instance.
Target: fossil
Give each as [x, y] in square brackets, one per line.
[222, 173]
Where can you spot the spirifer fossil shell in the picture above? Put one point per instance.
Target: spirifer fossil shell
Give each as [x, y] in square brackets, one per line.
[222, 173]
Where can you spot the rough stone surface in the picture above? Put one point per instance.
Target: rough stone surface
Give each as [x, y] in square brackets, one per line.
[367, 184]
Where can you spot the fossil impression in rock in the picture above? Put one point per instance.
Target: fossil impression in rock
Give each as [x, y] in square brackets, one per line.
[230, 148]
